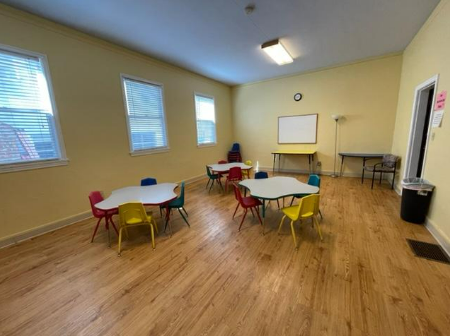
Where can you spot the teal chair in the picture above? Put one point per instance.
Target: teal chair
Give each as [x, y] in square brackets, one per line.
[212, 178]
[179, 205]
[313, 180]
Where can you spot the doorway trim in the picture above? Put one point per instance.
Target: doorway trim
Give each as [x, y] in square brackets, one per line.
[412, 128]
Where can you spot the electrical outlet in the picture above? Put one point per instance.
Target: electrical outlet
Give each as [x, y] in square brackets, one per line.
[319, 164]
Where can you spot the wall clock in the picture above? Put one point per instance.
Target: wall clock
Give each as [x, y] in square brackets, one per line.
[298, 97]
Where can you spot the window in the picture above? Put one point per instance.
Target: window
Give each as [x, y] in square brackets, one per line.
[206, 120]
[145, 115]
[29, 129]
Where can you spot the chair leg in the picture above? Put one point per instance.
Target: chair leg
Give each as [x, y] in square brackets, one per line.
[252, 212]
[219, 181]
[373, 178]
[207, 183]
[381, 176]
[120, 241]
[393, 179]
[320, 213]
[236, 210]
[95, 230]
[281, 224]
[278, 203]
[153, 235]
[184, 217]
[212, 184]
[126, 232]
[242, 221]
[113, 225]
[155, 225]
[293, 234]
[185, 211]
[318, 227]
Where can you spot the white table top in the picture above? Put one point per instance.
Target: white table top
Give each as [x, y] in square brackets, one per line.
[277, 187]
[148, 195]
[224, 167]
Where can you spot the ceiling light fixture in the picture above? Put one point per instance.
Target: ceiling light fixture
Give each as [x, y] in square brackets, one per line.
[277, 52]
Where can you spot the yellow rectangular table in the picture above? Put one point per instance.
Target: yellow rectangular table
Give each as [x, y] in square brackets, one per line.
[309, 154]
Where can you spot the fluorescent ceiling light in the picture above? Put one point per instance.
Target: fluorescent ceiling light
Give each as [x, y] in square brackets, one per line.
[277, 52]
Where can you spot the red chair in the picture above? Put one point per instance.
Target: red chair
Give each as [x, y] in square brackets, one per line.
[222, 162]
[94, 198]
[246, 203]
[234, 175]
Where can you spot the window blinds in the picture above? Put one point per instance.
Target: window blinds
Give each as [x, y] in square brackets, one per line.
[27, 124]
[206, 120]
[145, 111]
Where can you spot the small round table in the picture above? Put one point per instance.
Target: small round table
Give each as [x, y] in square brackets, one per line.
[276, 187]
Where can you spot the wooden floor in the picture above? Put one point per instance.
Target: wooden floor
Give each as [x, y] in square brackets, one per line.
[362, 279]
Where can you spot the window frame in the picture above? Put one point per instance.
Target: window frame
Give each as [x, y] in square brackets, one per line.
[210, 144]
[44, 163]
[147, 151]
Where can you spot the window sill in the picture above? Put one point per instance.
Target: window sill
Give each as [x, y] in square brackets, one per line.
[207, 145]
[13, 167]
[150, 151]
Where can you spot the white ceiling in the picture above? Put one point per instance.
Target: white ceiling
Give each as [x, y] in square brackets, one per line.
[217, 39]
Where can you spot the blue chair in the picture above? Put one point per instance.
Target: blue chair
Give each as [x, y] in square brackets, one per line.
[148, 181]
[264, 175]
[313, 180]
[178, 204]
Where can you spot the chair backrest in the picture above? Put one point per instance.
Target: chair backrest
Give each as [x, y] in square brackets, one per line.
[309, 205]
[181, 197]
[248, 163]
[314, 180]
[222, 162]
[94, 198]
[132, 213]
[208, 171]
[148, 181]
[261, 175]
[237, 193]
[235, 147]
[235, 173]
[389, 160]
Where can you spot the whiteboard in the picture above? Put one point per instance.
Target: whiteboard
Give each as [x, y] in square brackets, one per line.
[297, 129]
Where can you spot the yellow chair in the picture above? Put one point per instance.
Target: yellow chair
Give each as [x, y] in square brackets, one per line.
[246, 173]
[133, 214]
[307, 208]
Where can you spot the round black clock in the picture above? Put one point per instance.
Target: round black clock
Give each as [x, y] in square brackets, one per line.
[298, 97]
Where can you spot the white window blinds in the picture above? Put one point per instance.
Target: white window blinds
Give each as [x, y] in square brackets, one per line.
[206, 120]
[27, 124]
[145, 115]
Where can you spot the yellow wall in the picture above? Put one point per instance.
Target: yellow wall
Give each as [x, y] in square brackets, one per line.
[365, 93]
[85, 74]
[427, 55]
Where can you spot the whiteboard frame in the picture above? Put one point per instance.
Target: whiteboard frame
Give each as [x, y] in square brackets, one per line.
[300, 115]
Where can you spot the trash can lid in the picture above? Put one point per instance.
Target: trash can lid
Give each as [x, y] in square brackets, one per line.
[417, 183]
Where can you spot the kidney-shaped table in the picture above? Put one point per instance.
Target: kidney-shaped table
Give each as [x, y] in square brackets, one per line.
[157, 194]
[276, 187]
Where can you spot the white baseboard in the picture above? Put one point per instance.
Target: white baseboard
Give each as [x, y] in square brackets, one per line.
[440, 236]
[40, 230]
[306, 171]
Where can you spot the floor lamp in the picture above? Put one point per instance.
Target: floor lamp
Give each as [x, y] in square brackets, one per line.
[336, 118]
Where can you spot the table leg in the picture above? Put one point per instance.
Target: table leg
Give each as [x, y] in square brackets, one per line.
[263, 215]
[279, 163]
[168, 219]
[310, 159]
[107, 229]
[342, 166]
[273, 168]
[364, 165]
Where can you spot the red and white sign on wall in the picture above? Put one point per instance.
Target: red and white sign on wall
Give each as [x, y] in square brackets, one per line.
[440, 101]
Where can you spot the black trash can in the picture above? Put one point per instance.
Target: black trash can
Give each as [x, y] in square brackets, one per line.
[416, 198]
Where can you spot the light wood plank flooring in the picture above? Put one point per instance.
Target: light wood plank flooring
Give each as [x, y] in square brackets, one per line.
[362, 279]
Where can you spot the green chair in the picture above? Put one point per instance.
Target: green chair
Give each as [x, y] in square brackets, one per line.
[212, 178]
[178, 204]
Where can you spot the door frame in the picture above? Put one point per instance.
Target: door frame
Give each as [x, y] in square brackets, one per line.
[412, 128]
